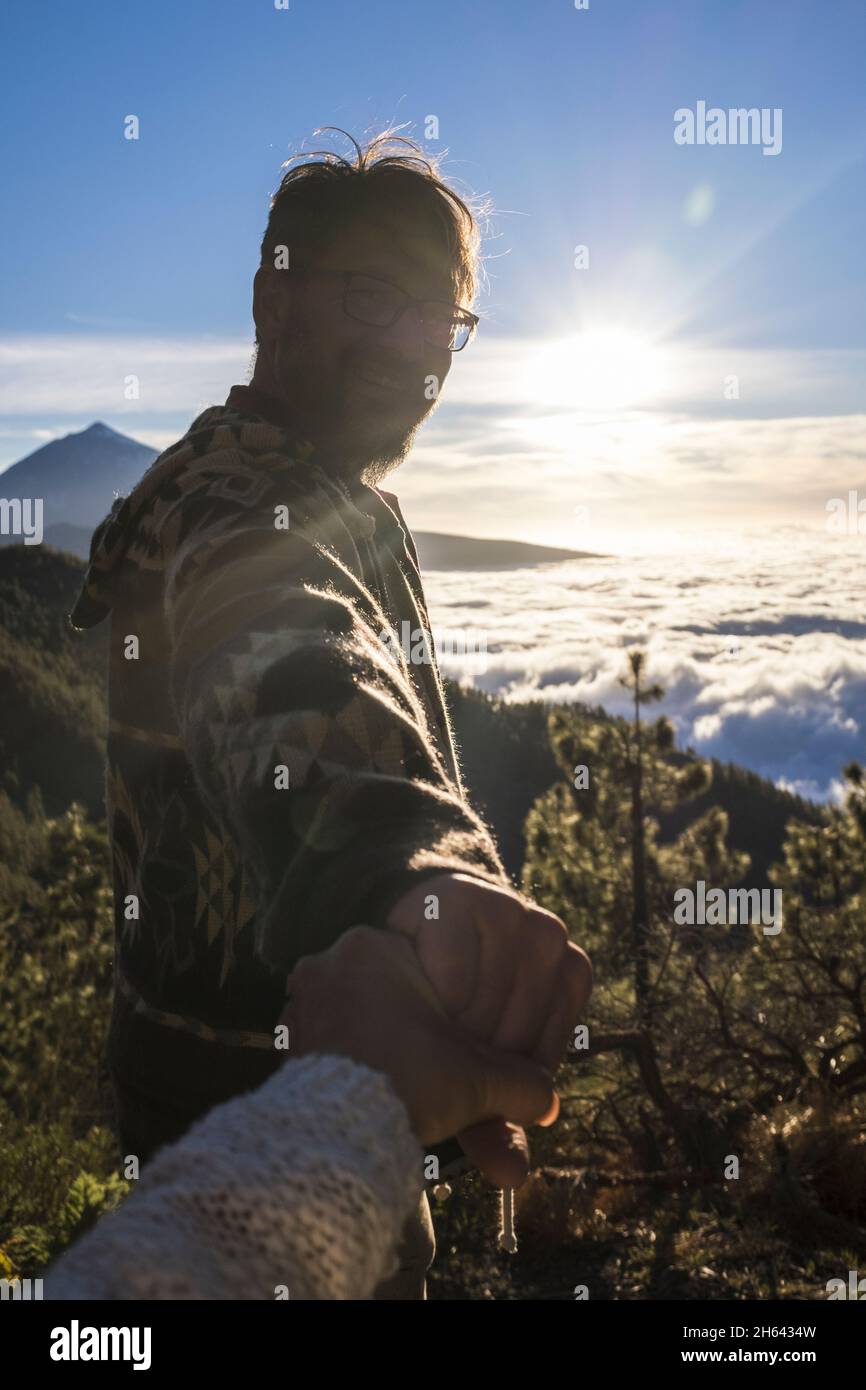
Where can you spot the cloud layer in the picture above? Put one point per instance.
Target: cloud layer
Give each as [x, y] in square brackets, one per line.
[762, 655]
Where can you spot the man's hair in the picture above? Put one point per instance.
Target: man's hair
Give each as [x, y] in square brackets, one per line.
[322, 193]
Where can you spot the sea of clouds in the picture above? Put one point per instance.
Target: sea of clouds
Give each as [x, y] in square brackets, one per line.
[762, 653]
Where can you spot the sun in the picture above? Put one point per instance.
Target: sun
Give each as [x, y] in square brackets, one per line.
[598, 369]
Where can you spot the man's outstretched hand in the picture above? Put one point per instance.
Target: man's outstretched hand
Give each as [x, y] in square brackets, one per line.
[506, 971]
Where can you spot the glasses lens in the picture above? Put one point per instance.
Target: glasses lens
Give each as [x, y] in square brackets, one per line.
[460, 334]
[373, 302]
[445, 327]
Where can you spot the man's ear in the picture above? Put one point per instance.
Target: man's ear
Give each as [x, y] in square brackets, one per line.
[270, 303]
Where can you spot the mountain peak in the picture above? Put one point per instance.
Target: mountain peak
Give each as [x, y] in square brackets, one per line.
[99, 427]
[79, 476]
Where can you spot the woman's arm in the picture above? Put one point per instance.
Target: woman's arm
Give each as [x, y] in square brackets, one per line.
[300, 1188]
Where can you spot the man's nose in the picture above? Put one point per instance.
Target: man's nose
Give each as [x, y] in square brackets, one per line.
[406, 336]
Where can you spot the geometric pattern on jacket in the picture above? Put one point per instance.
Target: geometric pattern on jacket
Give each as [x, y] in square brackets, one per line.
[258, 648]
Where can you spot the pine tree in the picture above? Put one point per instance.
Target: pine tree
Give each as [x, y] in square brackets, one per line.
[592, 841]
[593, 857]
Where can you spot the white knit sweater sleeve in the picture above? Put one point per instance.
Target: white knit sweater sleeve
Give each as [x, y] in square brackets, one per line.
[299, 1189]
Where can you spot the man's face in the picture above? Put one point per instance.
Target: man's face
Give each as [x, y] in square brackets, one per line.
[358, 392]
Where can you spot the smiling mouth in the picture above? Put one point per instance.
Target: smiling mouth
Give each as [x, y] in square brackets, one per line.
[377, 376]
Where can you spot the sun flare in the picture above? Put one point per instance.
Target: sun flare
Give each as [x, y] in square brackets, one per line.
[598, 369]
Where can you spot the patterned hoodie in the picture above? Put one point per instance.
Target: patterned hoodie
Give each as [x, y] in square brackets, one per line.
[278, 770]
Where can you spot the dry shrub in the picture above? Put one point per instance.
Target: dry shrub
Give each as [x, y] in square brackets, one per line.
[805, 1167]
[559, 1204]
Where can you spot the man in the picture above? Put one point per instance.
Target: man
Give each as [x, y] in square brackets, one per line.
[278, 770]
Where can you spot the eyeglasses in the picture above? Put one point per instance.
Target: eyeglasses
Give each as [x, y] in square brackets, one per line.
[379, 304]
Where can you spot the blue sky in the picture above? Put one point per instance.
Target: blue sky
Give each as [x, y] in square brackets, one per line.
[705, 262]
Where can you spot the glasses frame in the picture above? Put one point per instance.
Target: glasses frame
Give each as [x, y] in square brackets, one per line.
[349, 275]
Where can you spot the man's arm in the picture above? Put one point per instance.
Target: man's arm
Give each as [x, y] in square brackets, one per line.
[277, 663]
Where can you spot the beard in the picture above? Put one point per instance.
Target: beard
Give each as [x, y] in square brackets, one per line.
[388, 457]
[357, 436]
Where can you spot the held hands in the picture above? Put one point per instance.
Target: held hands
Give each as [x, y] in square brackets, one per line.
[367, 998]
[468, 1014]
